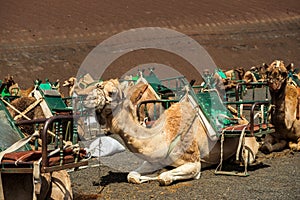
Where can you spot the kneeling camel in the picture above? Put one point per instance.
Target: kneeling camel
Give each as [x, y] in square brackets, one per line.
[177, 139]
[285, 98]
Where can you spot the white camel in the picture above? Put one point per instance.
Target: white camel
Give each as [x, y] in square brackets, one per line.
[178, 138]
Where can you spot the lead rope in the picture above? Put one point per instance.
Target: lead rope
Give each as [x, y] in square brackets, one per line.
[241, 142]
[219, 167]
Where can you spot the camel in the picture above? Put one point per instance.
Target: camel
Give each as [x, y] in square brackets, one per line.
[6, 85]
[11, 88]
[178, 138]
[256, 74]
[70, 84]
[235, 74]
[77, 86]
[285, 98]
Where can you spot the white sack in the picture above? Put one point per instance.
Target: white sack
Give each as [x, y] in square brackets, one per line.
[105, 146]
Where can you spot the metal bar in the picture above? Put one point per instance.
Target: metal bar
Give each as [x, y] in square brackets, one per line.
[152, 101]
[65, 166]
[242, 174]
[252, 115]
[32, 121]
[14, 170]
[49, 121]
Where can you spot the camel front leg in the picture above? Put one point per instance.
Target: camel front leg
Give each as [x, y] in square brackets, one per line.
[146, 168]
[183, 172]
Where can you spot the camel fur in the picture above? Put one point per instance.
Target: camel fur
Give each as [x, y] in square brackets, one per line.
[178, 138]
[285, 98]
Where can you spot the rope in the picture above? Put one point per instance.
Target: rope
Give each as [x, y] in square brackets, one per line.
[219, 167]
[29, 108]
[241, 142]
[177, 138]
[12, 107]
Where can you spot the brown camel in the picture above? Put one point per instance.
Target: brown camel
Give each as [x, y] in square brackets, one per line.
[13, 88]
[285, 98]
[235, 74]
[256, 74]
[178, 138]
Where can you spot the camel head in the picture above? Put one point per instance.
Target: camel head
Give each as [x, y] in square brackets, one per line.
[7, 82]
[240, 73]
[277, 75]
[104, 93]
[70, 82]
[262, 71]
[104, 98]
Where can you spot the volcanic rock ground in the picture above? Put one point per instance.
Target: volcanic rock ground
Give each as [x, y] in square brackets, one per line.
[50, 39]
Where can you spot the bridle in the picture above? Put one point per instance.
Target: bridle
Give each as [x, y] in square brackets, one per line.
[100, 107]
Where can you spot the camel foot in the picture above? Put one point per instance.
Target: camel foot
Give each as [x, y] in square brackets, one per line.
[294, 146]
[134, 177]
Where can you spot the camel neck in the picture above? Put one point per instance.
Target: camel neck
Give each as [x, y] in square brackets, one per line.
[136, 137]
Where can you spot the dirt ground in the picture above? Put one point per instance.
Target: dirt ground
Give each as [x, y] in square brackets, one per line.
[50, 39]
[275, 176]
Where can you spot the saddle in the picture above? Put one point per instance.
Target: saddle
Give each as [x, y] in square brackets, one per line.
[28, 157]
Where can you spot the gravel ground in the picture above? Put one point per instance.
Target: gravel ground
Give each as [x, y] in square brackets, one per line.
[275, 176]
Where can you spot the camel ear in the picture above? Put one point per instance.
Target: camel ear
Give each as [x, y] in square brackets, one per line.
[290, 67]
[267, 69]
[284, 74]
[265, 66]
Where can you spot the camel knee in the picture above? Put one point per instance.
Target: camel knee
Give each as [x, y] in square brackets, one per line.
[165, 179]
[266, 148]
[278, 146]
[269, 139]
[183, 172]
[267, 144]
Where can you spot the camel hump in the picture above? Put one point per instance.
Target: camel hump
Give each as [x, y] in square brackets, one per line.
[180, 116]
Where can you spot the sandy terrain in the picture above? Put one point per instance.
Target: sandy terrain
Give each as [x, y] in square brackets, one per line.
[50, 37]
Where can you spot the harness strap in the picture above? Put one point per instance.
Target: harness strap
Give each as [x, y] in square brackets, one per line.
[29, 108]
[177, 138]
[36, 178]
[298, 109]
